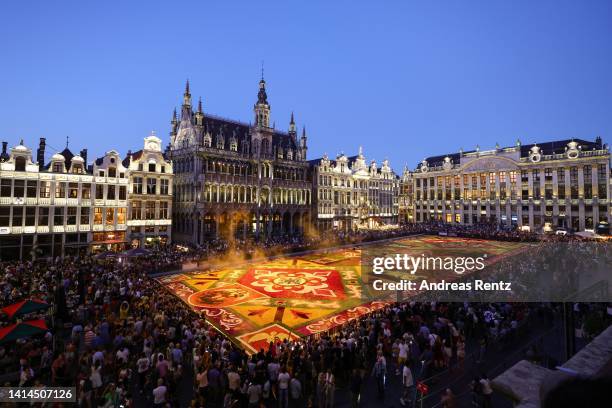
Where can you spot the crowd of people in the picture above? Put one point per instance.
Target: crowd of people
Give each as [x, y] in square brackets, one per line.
[123, 340]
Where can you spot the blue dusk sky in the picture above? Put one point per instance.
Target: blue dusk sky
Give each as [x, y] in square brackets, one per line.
[404, 79]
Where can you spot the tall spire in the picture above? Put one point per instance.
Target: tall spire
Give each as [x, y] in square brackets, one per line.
[262, 108]
[67, 140]
[292, 125]
[262, 97]
[187, 95]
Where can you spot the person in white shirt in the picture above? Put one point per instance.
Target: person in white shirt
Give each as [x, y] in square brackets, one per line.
[403, 353]
[143, 365]
[330, 388]
[408, 383]
[254, 395]
[283, 388]
[159, 394]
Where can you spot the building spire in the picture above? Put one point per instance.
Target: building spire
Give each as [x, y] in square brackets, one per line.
[67, 140]
[187, 95]
[292, 129]
[262, 108]
[200, 105]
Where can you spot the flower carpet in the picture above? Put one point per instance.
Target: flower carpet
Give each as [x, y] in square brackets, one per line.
[292, 297]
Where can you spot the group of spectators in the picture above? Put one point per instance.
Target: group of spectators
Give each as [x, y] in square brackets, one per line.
[121, 339]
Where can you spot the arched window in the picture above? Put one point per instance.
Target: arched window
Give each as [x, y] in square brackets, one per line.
[20, 164]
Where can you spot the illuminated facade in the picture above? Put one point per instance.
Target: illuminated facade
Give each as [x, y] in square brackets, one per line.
[406, 198]
[547, 185]
[234, 179]
[149, 195]
[64, 207]
[59, 208]
[349, 194]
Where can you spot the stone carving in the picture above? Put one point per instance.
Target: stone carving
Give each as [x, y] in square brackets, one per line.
[490, 164]
[572, 150]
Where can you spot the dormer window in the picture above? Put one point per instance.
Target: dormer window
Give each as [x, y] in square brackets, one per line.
[112, 171]
[220, 143]
[77, 169]
[207, 141]
[290, 154]
[280, 153]
[101, 173]
[57, 167]
[234, 146]
[152, 167]
[20, 164]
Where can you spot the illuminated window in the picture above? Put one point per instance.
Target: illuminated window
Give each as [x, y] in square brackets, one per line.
[121, 215]
[98, 216]
[110, 216]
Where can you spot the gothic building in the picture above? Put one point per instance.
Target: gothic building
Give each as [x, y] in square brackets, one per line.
[234, 179]
[349, 194]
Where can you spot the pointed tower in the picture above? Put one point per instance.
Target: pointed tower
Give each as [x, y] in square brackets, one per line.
[186, 108]
[185, 135]
[303, 143]
[262, 108]
[173, 126]
[199, 115]
[292, 130]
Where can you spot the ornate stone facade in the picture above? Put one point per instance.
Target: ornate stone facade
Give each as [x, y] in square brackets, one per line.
[65, 207]
[548, 185]
[234, 179]
[349, 194]
[149, 195]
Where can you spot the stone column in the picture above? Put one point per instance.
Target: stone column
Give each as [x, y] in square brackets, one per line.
[581, 217]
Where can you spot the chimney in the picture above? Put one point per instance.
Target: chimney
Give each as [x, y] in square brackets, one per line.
[40, 153]
[83, 154]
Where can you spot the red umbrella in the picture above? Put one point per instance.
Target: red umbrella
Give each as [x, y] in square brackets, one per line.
[25, 307]
[21, 330]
